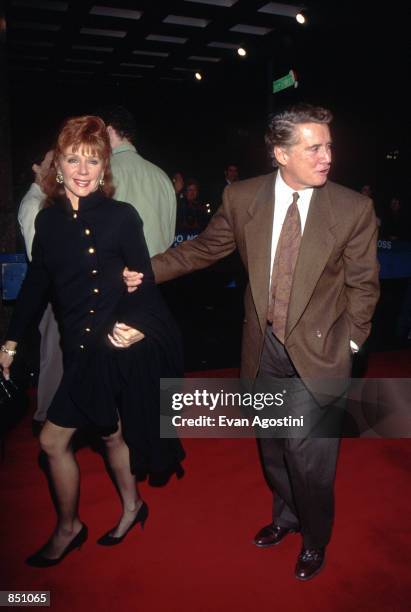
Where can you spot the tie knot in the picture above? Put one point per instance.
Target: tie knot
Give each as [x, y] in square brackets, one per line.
[296, 195]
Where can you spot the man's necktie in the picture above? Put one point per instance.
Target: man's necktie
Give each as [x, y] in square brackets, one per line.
[283, 269]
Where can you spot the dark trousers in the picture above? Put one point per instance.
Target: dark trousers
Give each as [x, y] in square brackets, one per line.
[299, 470]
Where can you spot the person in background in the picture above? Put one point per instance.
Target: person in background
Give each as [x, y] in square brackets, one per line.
[396, 223]
[196, 214]
[178, 184]
[140, 182]
[368, 191]
[231, 175]
[51, 357]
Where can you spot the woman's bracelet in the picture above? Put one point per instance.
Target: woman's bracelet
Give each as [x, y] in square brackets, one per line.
[9, 352]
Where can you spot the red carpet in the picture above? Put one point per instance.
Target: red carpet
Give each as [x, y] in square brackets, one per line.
[196, 552]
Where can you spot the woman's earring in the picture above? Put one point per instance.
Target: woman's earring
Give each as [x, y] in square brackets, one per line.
[59, 178]
[101, 182]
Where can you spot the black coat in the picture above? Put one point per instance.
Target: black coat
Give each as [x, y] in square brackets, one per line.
[80, 256]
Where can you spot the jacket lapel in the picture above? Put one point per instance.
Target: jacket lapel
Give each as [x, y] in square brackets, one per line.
[316, 246]
[258, 232]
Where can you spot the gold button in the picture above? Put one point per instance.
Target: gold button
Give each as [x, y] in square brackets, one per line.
[88, 329]
[87, 232]
[75, 216]
[91, 250]
[82, 346]
[94, 272]
[95, 290]
[92, 311]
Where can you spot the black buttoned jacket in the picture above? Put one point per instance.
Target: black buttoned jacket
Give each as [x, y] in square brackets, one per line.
[79, 256]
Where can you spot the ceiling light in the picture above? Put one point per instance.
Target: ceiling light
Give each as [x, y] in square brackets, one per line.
[198, 76]
[241, 52]
[300, 18]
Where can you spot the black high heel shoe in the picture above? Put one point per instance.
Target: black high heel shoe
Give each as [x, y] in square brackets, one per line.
[108, 540]
[39, 560]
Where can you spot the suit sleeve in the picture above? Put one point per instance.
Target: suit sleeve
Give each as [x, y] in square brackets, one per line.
[361, 270]
[32, 298]
[214, 243]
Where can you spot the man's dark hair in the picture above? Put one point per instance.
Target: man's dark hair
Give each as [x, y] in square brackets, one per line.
[281, 126]
[120, 119]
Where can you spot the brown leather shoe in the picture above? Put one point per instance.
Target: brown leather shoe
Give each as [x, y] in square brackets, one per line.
[309, 563]
[271, 535]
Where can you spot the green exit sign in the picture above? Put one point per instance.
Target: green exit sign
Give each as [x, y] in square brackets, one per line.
[286, 81]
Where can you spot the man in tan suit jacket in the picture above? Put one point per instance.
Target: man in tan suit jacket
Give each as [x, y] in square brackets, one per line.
[333, 295]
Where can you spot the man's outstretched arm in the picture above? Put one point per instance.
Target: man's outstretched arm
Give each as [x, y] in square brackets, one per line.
[214, 243]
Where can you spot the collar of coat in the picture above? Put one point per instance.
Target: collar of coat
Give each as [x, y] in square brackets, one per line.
[92, 200]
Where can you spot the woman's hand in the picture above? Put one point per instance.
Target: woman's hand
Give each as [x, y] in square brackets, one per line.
[124, 336]
[7, 353]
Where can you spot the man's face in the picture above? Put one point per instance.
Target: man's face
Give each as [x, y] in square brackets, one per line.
[192, 193]
[307, 163]
[231, 173]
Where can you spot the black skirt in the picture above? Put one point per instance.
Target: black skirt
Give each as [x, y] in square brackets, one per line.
[106, 384]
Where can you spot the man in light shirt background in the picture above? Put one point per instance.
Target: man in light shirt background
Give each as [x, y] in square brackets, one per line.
[140, 182]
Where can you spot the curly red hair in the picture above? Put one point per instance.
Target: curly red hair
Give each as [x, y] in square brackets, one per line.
[89, 134]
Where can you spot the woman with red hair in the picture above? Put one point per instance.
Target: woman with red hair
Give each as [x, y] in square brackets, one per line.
[116, 344]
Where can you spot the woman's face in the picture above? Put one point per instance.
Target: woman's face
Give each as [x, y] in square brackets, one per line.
[81, 172]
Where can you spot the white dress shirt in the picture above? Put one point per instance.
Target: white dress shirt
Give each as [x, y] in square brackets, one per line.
[283, 199]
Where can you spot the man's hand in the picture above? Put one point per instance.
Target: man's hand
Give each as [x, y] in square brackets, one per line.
[132, 279]
[41, 170]
[124, 336]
